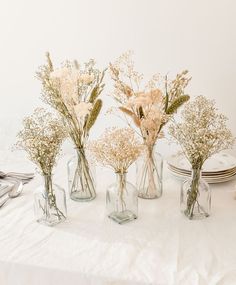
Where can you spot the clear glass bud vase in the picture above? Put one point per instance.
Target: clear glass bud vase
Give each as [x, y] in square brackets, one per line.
[149, 168]
[195, 198]
[122, 200]
[50, 203]
[81, 177]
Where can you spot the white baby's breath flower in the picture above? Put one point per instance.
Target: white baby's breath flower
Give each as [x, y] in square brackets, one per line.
[117, 148]
[82, 109]
[202, 131]
[41, 130]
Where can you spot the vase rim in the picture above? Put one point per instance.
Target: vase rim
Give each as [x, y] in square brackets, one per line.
[197, 168]
[121, 172]
[47, 175]
[78, 148]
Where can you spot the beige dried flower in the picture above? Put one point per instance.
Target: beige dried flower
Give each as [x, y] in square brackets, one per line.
[149, 106]
[41, 138]
[117, 148]
[73, 91]
[202, 132]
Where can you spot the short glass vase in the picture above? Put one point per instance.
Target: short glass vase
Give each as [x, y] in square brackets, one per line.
[81, 177]
[50, 203]
[122, 200]
[149, 169]
[195, 197]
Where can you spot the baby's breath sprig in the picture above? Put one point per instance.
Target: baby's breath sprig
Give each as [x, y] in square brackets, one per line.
[202, 131]
[117, 148]
[41, 137]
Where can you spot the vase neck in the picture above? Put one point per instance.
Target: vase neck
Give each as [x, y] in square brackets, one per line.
[121, 178]
[196, 173]
[79, 149]
[149, 150]
[47, 179]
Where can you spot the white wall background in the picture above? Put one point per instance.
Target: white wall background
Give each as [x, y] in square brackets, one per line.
[166, 35]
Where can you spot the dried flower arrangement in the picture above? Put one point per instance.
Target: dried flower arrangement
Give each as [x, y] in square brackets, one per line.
[73, 91]
[202, 133]
[41, 138]
[118, 149]
[41, 130]
[149, 107]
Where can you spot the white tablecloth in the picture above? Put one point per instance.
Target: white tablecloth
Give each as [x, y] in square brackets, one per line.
[161, 247]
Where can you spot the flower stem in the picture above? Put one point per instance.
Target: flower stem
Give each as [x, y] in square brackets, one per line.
[193, 193]
[50, 199]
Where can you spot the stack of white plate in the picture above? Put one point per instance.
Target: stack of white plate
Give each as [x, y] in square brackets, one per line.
[219, 168]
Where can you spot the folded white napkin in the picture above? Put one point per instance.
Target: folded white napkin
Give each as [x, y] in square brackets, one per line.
[5, 188]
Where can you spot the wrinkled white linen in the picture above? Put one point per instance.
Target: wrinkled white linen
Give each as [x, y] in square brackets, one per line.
[161, 247]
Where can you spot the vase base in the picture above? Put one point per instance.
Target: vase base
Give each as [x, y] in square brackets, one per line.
[149, 196]
[196, 216]
[51, 222]
[122, 217]
[80, 197]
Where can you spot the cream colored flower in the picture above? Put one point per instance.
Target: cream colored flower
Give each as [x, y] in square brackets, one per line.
[148, 124]
[130, 103]
[155, 114]
[69, 91]
[60, 73]
[65, 79]
[82, 109]
[65, 73]
[155, 96]
[143, 99]
[140, 100]
[86, 78]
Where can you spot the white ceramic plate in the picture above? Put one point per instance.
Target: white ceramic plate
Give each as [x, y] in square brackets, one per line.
[221, 162]
[204, 174]
[208, 180]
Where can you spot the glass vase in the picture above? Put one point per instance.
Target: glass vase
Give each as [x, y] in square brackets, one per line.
[149, 168]
[122, 200]
[81, 175]
[50, 203]
[195, 199]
